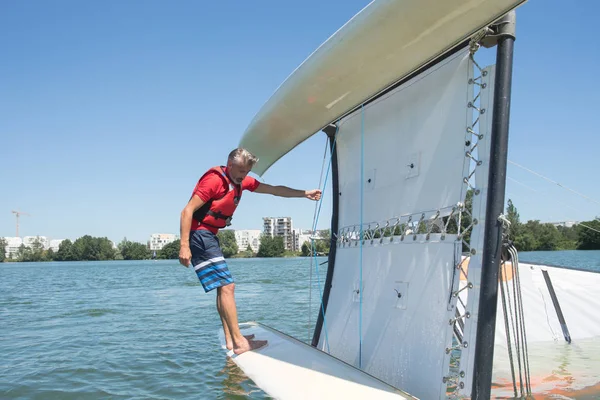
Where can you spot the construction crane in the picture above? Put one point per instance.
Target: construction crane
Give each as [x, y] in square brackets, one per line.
[18, 214]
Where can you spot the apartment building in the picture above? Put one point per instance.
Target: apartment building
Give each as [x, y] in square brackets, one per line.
[28, 241]
[159, 240]
[12, 246]
[248, 237]
[280, 226]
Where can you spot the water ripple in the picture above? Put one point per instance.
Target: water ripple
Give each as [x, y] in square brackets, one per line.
[137, 330]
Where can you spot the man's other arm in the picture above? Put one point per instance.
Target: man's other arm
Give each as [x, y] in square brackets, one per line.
[185, 223]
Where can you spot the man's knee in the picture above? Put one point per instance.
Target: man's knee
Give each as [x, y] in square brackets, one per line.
[226, 290]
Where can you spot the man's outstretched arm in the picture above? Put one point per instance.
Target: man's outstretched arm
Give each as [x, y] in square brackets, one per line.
[284, 191]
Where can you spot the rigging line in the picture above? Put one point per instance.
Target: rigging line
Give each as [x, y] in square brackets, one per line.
[320, 203]
[517, 326]
[507, 327]
[556, 183]
[589, 227]
[313, 241]
[515, 257]
[542, 193]
[314, 256]
[310, 281]
[519, 315]
[362, 173]
[512, 318]
[530, 188]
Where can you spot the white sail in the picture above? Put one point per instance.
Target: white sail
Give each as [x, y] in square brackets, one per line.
[423, 122]
[389, 308]
[406, 158]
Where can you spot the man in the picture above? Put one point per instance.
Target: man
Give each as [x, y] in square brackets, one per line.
[210, 208]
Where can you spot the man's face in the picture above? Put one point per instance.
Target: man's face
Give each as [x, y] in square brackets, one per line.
[237, 171]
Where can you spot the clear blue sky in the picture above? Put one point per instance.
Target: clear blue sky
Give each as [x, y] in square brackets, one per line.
[110, 111]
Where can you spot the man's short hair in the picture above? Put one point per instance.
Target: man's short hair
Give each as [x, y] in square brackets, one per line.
[241, 155]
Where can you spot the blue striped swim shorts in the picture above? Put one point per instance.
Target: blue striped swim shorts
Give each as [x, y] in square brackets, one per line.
[208, 260]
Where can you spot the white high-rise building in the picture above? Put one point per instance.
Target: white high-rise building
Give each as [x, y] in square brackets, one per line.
[248, 237]
[55, 244]
[301, 236]
[280, 226]
[28, 241]
[12, 246]
[159, 240]
[566, 224]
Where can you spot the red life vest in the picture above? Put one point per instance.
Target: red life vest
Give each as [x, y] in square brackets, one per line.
[217, 213]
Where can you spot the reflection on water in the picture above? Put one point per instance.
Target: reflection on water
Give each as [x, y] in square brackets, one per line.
[558, 370]
[236, 385]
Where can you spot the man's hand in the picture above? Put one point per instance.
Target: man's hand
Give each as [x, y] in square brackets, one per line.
[185, 256]
[313, 194]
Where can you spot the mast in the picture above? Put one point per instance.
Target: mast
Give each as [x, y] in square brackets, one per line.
[488, 300]
[330, 131]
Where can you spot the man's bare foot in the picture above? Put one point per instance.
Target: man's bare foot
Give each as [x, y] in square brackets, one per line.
[229, 345]
[252, 345]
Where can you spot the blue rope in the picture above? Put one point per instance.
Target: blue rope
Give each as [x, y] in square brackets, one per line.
[313, 241]
[362, 173]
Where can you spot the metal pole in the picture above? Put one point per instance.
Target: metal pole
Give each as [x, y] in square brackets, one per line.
[559, 314]
[488, 300]
[335, 193]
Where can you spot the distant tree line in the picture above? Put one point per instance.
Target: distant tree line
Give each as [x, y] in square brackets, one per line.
[2, 249]
[271, 246]
[227, 242]
[318, 246]
[534, 235]
[529, 236]
[89, 248]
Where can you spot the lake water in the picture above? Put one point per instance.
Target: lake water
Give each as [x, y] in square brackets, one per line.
[147, 330]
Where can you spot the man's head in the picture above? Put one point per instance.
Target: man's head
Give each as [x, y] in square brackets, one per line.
[239, 163]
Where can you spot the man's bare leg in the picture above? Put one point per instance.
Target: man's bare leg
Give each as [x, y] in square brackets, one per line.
[226, 331]
[229, 313]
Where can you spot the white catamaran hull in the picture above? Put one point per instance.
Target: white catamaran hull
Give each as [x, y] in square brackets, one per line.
[385, 42]
[290, 369]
